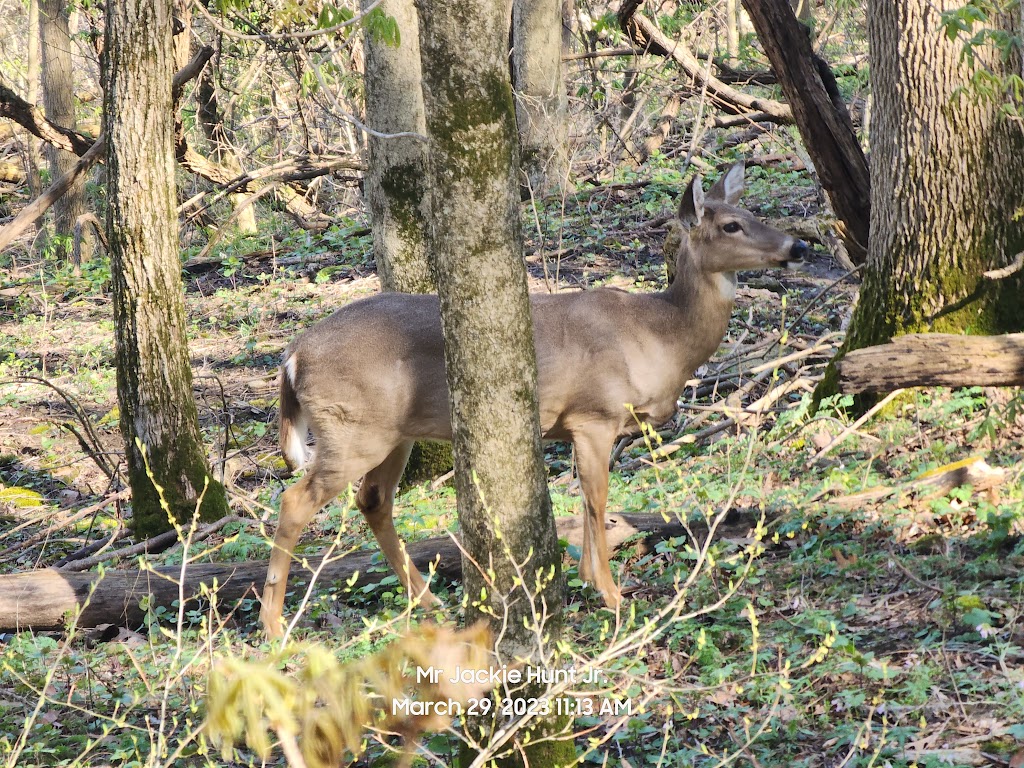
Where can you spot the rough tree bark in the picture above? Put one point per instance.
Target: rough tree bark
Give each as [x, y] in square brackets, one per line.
[59, 98]
[154, 379]
[395, 184]
[396, 178]
[947, 173]
[475, 247]
[821, 116]
[541, 102]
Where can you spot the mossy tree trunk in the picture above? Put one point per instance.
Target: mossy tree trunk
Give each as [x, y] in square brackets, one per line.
[396, 179]
[154, 379]
[540, 93]
[396, 183]
[947, 172]
[475, 246]
[59, 98]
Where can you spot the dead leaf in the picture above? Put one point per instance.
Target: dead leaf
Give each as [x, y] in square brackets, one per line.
[821, 440]
[843, 560]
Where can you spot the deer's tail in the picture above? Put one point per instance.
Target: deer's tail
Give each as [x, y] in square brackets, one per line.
[292, 420]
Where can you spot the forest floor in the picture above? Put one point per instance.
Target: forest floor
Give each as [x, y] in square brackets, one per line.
[875, 622]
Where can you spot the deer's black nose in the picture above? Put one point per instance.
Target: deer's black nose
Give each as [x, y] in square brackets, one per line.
[799, 251]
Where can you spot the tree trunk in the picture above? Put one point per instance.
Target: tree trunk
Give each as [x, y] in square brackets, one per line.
[947, 172]
[154, 379]
[475, 247]
[35, 182]
[395, 184]
[541, 102]
[732, 31]
[396, 179]
[821, 116]
[804, 11]
[59, 98]
[221, 149]
[42, 599]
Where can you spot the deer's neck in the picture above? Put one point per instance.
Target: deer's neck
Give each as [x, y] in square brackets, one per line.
[703, 301]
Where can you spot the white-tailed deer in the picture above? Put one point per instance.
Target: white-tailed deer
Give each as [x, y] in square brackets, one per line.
[370, 380]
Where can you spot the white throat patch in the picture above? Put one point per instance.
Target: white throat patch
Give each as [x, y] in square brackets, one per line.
[726, 285]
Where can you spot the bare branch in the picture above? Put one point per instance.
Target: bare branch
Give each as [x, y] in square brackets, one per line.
[31, 118]
[38, 207]
[1012, 268]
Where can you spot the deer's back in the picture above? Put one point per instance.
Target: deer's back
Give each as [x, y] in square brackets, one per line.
[380, 362]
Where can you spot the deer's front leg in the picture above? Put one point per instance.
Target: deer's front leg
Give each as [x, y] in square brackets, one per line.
[592, 449]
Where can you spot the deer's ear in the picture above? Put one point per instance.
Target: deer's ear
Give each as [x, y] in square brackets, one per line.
[730, 187]
[691, 204]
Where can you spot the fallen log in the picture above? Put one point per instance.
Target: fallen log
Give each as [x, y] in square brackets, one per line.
[935, 360]
[973, 471]
[44, 599]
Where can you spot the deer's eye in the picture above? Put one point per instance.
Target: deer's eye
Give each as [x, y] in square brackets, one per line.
[731, 227]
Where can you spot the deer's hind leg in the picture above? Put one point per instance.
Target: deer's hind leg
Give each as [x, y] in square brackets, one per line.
[330, 474]
[376, 500]
[299, 503]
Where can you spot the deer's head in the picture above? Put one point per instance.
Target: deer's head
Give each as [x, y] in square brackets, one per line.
[717, 236]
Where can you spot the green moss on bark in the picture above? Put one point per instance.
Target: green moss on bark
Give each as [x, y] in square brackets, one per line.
[428, 460]
[174, 477]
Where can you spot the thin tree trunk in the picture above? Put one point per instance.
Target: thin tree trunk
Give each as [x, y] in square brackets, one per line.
[804, 11]
[59, 98]
[947, 173]
[732, 30]
[541, 102]
[154, 379]
[475, 246]
[35, 182]
[395, 184]
[221, 149]
[822, 117]
[396, 178]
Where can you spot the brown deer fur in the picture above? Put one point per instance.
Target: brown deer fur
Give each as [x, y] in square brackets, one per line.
[370, 380]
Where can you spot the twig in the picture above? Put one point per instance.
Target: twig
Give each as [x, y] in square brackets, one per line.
[70, 520]
[1015, 266]
[814, 299]
[912, 577]
[853, 427]
[778, 362]
[153, 545]
[604, 52]
[90, 443]
[94, 548]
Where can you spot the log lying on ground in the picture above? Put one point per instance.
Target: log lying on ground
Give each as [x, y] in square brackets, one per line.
[973, 471]
[43, 599]
[935, 360]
